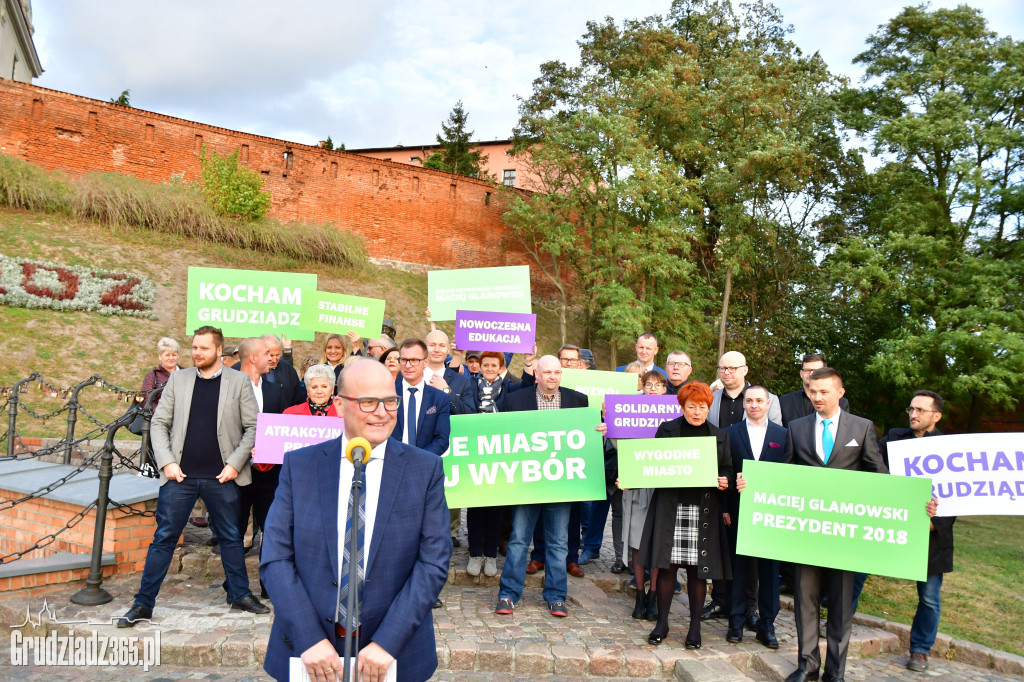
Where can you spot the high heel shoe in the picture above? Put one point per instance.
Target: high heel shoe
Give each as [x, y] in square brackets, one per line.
[656, 637]
[693, 643]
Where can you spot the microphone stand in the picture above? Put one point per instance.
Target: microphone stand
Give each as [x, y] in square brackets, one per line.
[351, 649]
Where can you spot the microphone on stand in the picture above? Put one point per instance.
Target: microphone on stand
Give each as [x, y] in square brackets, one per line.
[357, 451]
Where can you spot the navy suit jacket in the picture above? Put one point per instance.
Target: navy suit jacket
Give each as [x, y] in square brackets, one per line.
[740, 449]
[405, 571]
[526, 399]
[463, 395]
[433, 425]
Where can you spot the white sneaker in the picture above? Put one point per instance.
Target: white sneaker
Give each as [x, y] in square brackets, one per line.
[490, 566]
[474, 565]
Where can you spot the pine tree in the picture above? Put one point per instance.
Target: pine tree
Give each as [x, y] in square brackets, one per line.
[456, 154]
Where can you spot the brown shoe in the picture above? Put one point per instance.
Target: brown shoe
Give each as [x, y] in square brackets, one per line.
[534, 566]
[574, 570]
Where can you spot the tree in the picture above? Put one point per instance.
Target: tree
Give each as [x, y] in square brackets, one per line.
[327, 144]
[927, 262]
[232, 190]
[124, 99]
[456, 153]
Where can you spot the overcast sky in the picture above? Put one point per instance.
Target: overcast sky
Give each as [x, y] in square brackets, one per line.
[370, 74]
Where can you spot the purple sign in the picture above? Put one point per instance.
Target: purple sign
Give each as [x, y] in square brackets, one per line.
[277, 434]
[638, 416]
[502, 332]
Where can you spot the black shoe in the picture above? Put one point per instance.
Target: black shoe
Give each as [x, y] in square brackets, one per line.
[618, 567]
[750, 622]
[657, 637]
[652, 607]
[134, 615]
[455, 542]
[263, 593]
[212, 542]
[251, 604]
[692, 643]
[713, 610]
[828, 678]
[802, 676]
[640, 608]
[734, 636]
[767, 637]
[438, 604]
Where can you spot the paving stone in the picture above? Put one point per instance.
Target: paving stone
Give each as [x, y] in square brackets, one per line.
[870, 642]
[236, 652]
[642, 663]
[494, 657]
[463, 655]
[533, 659]
[707, 670]
[1004, 662]
[606, 662]
[569, 660]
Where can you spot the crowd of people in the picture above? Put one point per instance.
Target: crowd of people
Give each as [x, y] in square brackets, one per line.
[203, 433]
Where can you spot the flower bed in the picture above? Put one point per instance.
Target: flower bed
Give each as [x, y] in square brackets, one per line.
[28, 283]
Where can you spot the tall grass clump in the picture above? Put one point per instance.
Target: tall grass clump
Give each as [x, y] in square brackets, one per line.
[124, 202]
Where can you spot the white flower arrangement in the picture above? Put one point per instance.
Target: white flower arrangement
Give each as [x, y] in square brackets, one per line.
[26, 283]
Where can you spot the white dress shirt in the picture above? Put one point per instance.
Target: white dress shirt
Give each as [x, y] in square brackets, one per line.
[405, 406]
[757, 434]
[833, 427]
[257, 390]
[374, 470]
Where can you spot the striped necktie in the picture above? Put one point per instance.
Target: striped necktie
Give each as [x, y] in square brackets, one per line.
[355, 523]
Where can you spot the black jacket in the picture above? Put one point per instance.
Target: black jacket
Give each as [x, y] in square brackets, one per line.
[796, 404]
[526, 399]
[940, 540]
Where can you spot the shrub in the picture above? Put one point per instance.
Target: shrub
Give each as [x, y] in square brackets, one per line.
[232, 190]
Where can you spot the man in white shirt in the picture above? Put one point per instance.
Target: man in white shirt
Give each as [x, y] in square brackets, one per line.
[754, 438]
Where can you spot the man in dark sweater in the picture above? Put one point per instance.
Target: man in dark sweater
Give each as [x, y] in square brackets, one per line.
[203, 433]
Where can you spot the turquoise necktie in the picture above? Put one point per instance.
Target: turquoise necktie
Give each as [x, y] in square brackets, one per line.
[826, 439]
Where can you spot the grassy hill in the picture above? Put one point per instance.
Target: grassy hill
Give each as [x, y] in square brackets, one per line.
[68, 347]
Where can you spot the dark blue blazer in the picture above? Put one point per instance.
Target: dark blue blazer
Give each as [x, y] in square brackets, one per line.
[739, 447]
[405, 571]
[526, 399]
[622, 368]
[433, 425]
[463, 395]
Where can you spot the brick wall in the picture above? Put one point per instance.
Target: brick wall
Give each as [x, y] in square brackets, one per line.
[398, 209]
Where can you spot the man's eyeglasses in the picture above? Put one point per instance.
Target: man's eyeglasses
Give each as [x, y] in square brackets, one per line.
[677, 364]
[569, 361]
[730, 370]
[391, 403]
[410, 361]
[918, 410]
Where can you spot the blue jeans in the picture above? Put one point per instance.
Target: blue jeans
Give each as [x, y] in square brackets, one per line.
[858, 586]
[555, 520]
[926, 619]
[573, 545]
[172, 511]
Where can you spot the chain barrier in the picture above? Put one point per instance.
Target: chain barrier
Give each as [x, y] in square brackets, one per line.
[44, 417]
[47, 539]
[128, 511]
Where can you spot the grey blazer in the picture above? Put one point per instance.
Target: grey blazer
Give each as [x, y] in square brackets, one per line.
[774, 410]
[856, 445]
[237, 411]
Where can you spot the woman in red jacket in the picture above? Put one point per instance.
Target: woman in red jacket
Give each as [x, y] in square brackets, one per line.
[319, 381]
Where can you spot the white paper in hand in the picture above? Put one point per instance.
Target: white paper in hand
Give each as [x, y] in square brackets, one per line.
[297, 671]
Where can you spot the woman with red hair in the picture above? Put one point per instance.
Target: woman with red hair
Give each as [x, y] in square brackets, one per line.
[684, 526]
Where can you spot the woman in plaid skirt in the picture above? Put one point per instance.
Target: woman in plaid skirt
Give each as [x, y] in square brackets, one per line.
[684, 526]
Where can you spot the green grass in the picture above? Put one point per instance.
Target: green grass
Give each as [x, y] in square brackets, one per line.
[983, 599]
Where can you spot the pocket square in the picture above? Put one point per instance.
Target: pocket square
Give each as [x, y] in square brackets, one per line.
[433, 410]
[773, 445]
[853, 443]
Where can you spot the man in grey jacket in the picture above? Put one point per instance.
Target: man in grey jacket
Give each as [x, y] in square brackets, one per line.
[203, 433]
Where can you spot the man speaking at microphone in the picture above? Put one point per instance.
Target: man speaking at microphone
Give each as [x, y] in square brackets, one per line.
[405, 544]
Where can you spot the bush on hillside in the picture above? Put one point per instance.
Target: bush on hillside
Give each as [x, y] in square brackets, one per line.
[124, 202]
[232, 190]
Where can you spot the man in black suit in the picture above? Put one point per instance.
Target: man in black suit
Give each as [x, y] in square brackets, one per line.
[754, 438]
[257, 497]
[546, 395]
[798, 403]
[837, 440]
[282, 372]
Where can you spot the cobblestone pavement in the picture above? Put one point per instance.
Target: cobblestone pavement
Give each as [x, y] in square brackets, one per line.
[201, 638]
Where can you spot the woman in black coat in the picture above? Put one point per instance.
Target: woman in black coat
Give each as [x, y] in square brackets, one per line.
[694, 516]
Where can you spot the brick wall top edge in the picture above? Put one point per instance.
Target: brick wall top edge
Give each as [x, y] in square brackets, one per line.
[29, 87]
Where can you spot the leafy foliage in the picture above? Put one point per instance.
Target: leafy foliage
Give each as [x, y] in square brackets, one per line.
[232, 190]
[124, 99]
[456, 153]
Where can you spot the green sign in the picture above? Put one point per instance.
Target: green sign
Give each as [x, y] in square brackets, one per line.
[243, 303]
[495, 290]
[597, 384]
[323, 311]
[852, 520]
[668, 463]
[525, 458]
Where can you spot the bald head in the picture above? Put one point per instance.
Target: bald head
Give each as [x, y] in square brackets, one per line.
[255, 356]
[361, 381]
[437, 349]
[732, 370]
[549, 374]
[359, 367]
